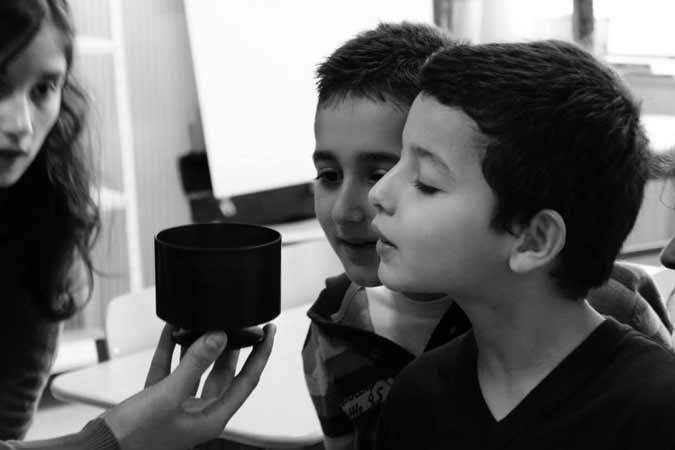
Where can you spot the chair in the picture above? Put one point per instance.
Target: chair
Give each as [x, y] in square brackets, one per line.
[304, 267]
[131, 324]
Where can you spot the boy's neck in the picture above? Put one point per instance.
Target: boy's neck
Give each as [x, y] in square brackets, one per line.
[522, 340]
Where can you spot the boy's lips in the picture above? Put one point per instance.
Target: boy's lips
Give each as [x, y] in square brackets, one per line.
[357, 242]
[382, 239]
[359, 251]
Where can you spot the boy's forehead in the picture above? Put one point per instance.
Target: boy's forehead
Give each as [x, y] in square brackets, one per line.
[356, 126]
[439, 128]
[351, 106]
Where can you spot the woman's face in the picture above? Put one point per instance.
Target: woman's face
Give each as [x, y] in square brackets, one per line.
[30, 101]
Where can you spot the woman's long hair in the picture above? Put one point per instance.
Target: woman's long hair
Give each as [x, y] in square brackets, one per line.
[53, 216]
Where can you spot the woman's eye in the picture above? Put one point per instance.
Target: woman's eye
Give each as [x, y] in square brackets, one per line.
[424, 188]
[328, 177]
[43, 90]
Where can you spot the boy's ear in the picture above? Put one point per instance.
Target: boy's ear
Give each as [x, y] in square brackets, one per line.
[538, 242]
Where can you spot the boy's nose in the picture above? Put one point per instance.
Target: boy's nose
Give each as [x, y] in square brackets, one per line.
[379, 195]
[350, 207]
[668, 255]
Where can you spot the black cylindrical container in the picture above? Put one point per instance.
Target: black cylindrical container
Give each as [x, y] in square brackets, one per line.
[218, 276]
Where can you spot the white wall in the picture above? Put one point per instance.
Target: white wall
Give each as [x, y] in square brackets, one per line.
[255, 62]
[164, 104]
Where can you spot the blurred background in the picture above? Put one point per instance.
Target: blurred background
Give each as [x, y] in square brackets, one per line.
[203, 110]
[142, 62]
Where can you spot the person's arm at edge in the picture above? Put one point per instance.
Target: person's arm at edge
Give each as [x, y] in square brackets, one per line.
[635, 278]
[96, 435]
[165, 411]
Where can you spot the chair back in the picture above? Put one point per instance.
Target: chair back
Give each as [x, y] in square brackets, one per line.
[305, 265]
[131, 324]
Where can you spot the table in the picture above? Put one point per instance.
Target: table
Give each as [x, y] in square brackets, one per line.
[278, 414]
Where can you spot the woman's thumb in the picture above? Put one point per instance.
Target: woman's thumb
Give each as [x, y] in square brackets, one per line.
[201, 354]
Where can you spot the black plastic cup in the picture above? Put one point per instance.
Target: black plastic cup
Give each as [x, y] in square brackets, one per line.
[218, 276]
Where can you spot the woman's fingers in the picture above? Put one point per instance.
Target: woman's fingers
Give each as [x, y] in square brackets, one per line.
[201, 354]
[243, 384]
[221, 374]
[160, 366]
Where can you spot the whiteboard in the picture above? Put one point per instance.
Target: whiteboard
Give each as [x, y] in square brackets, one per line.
[254, 63]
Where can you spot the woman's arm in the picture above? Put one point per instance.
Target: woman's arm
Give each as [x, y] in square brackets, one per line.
[166, 414]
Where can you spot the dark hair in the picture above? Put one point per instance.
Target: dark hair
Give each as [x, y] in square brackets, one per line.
[54, 215]
[381, 64]
[564, 133]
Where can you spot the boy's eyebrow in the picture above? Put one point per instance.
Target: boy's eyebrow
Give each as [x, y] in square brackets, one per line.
[423, 153]
[365, 156]
[322, 155]
[374, 156]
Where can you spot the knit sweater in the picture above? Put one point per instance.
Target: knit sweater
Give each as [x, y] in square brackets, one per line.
[29, 338]
[26, 357]
[94, 436]
[28, 349]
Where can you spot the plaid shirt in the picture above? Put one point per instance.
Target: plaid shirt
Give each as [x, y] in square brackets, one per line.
[348, 368]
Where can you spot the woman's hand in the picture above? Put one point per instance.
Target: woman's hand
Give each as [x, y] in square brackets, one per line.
[166, 415]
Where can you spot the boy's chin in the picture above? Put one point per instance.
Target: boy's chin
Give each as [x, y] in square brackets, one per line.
[391, 281]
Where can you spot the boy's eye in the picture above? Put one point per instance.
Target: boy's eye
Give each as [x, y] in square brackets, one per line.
[328, 176]
[424, 188]
[377, 174]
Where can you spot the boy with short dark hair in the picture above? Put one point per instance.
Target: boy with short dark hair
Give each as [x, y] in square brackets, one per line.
[362, 334]
[522, 172]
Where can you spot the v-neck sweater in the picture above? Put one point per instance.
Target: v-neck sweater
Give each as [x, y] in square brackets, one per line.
[616, 390]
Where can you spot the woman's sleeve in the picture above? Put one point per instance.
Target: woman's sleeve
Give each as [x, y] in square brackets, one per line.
[96, 435]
